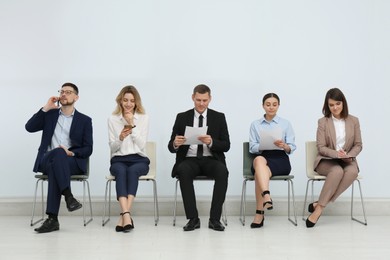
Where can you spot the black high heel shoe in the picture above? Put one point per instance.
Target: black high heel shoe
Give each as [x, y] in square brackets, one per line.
[269, 203]
[258, 225]
[126, 228]
[311, 207]
[310, 224]
[119, 228]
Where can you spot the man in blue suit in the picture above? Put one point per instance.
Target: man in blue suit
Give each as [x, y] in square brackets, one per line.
[66, 145]
[206, 159]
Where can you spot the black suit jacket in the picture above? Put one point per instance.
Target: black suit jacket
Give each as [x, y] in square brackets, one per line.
[217, 129]
[80, 135]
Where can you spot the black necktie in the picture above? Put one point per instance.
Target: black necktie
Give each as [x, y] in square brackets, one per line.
[199, 153]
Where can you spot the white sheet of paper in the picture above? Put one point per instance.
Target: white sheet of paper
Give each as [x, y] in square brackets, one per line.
[192, 133]
[268, 137]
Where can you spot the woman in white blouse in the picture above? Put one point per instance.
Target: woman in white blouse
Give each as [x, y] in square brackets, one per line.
[338, 143]
[128, 129]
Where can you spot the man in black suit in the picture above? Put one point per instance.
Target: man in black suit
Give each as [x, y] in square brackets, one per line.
[207, 159]
[66, 145]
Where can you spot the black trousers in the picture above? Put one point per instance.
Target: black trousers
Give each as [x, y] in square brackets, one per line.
[58, 167]
[206, 166]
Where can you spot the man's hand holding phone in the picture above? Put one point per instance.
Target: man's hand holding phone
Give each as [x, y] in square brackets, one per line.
[52, 103]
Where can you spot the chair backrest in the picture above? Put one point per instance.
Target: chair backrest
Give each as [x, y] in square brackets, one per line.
[87, 173]
[311, 154]
[151, 153]
[247, 160]
[83, 176]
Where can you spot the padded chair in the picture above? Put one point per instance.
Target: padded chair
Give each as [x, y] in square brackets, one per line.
[151, 176]
[74, 178]
[248, 176]
[198, 178]
[311, 154]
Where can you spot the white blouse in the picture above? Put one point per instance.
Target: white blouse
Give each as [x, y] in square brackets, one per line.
[339, 126]
[135, 143]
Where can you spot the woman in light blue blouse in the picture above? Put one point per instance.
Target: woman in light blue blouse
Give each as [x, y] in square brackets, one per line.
[127, 132]
[271, 139]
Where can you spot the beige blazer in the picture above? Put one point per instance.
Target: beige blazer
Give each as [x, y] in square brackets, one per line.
[326, 139]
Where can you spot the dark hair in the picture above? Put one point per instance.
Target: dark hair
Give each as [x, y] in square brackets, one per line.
[335, 94]
[269, 95]
[75, 88]
[202, 89]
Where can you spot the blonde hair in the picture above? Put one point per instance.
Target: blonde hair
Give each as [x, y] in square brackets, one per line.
[137, 98]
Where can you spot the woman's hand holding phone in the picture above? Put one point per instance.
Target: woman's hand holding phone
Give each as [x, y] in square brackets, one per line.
[126, 131]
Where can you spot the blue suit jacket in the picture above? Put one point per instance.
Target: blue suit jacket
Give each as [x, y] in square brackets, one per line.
[80, 135]
[217, 129]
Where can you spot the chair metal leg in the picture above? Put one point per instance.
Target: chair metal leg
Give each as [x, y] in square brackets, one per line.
[304, 203]
[32, 223]
[291, 184]
[243, 201]
[156, 213]
[175, 203]
[108, 190]
[312, 195]
[361, 199]
[86, 222]
[224, 217]
[224, 214]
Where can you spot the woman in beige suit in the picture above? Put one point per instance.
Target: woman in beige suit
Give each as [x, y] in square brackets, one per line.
[338, 142]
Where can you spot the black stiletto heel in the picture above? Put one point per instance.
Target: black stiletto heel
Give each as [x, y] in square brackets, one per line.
[258, 225]
[311, 207]
[127, 227]
[119, 228]
[269, 203]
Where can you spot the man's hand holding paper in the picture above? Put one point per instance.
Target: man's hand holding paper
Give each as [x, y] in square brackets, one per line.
[196, 135]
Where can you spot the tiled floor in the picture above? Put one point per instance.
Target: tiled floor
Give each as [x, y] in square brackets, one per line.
[332, 238]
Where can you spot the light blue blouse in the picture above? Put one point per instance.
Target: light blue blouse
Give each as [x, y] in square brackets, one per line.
[288, 135]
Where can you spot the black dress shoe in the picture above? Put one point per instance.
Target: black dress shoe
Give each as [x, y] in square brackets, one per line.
[128, 227]
[216, 225]
[192, 224]
[117, 227]
[310, 224]
[258, 225]
[72, 204]
[48, 225]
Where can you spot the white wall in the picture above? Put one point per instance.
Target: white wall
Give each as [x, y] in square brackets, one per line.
[241, 49]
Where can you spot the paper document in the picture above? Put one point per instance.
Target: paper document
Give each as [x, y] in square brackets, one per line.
[268, 137]
[192, 133]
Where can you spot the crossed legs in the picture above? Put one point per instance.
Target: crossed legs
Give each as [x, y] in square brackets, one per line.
[339, 176]
[262, 177]
[58, 167]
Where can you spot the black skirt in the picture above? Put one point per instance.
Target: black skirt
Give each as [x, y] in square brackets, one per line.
[278, 162]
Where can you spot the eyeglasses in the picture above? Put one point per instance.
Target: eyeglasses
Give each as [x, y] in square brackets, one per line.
[66, 92]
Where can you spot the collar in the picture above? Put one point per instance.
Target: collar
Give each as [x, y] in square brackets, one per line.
[276, 119]
[197, 114]
[60, 113]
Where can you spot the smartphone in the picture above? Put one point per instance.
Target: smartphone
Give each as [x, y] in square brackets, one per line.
[129, 126]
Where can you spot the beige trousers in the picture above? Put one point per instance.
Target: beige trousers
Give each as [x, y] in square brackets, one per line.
[339, 176]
